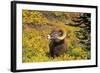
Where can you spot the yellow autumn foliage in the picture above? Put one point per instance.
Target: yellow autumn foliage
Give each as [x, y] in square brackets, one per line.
[34, 37]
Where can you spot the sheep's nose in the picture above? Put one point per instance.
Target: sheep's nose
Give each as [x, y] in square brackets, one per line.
[49, 37]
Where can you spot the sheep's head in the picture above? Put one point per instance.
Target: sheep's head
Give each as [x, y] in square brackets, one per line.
[57, 35]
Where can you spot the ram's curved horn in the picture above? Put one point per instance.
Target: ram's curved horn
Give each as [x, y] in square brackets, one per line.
[63, 35]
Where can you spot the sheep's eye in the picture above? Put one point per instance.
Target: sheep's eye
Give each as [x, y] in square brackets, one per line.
[56, 34]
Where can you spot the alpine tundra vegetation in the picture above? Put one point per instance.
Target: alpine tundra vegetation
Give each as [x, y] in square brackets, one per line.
[37, 25]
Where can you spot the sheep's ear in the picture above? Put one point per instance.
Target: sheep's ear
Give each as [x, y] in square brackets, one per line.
[49, 37]
[63, 36]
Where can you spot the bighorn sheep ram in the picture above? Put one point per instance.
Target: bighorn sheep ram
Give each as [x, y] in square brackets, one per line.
[57, 42]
